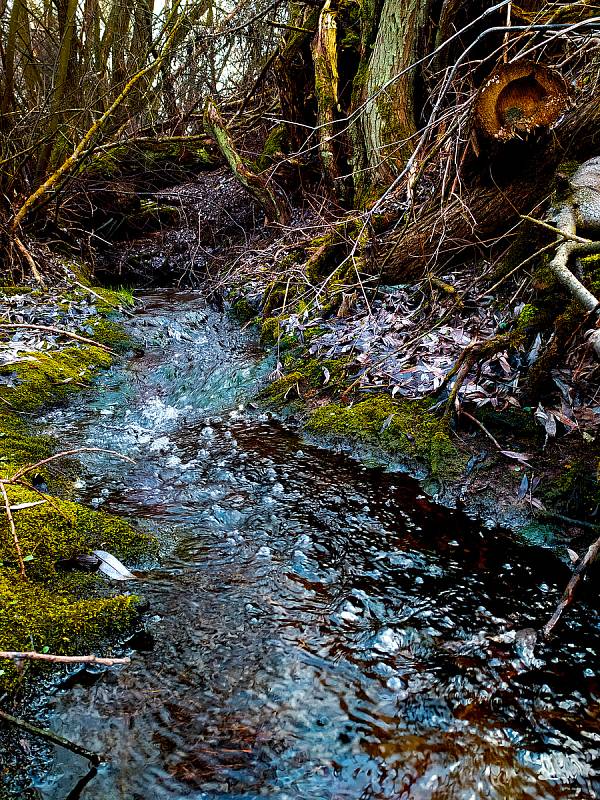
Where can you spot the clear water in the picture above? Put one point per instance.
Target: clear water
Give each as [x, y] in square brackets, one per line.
[316, 629]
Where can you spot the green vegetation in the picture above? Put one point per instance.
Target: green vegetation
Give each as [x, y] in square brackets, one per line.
[576, 491]
[401, 428]
[50, 376]
[274, 148]
[52, 609]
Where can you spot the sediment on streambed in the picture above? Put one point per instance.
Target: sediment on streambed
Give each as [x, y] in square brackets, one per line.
[49, 608]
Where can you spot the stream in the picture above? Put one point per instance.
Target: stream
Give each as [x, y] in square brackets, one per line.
[316, 629]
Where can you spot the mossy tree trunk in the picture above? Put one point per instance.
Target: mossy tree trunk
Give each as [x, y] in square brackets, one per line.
[389, 84]
[325, 58]
[258, 186]
[354, 60]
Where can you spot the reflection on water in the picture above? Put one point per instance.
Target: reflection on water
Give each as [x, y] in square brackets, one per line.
[316, 630]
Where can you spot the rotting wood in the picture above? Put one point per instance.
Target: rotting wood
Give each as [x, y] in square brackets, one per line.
[258, 186]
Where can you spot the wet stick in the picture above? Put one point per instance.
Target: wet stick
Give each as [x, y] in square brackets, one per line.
[50, 736]
[568, 594]
[58, 331]
[54, 659]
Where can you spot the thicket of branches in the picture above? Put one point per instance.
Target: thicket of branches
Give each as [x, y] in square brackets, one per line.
[375, 102]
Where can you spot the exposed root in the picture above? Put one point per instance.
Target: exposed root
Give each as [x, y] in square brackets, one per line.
[468, 358]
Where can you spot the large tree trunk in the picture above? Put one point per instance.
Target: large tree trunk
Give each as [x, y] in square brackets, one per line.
[389, 85]
[485, 211]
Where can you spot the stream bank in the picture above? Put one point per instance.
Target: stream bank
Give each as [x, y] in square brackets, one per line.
[316, 628]
[381, 356]
[50, 607]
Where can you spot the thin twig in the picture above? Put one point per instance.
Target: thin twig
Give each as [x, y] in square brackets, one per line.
[31, 655]
[572, 237]
[24, 470]
[568, 594]
[482, 427]
[52, 737]
[58, 331]
[13, 530]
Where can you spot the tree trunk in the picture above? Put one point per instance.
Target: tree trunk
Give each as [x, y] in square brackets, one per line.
[388, 123]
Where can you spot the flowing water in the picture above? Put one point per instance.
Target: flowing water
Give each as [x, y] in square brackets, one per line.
[316, 629]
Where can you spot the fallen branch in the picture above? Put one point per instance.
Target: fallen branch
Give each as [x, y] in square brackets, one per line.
[24, 470]
[58, 331]
[50, 736]
[31, 655]
[257, 185]
[29, 258]
[469, 356]
[567, 598]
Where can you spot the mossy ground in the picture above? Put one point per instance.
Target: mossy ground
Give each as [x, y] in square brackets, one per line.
[51, 376]
[52, 609]
[400, 428]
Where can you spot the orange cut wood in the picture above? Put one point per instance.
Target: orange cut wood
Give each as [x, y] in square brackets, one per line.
[518, 98]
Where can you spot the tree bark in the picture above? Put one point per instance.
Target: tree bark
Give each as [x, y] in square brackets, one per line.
[325, 58]
[389, 119]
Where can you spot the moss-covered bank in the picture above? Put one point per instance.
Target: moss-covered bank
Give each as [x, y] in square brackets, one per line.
[53, 609]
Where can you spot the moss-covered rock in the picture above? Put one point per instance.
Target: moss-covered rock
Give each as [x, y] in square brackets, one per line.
[107, 332]
[53, 619]
[60, 529]
[401, 428]
[576, 491]
[270, 330]
[243, 311]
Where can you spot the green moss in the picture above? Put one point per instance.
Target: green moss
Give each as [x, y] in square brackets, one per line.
[64, 612]
[51, 376]
[590, 266]
[576, 491]
[514, 420]
[10, 290]
[243, 311]
[18, 446]
[270, 330]
[401, 428]
[61, 529]
[105, 331]
[41, 618]
[280, 391]
[113, 299]
[312, 374]
[528, 316]
[153, 156]
[275, 147]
